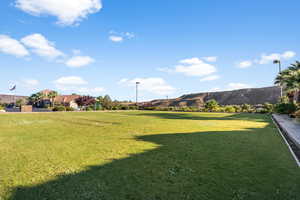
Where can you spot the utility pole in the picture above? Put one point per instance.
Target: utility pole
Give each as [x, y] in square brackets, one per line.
[136, 92]
[279, 67]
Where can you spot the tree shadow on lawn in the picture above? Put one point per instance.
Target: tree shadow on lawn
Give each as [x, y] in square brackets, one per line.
[205, 116]
[248, 164]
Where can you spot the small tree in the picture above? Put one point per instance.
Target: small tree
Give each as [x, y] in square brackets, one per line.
[52, 96]
[85, 101]
[212, 105]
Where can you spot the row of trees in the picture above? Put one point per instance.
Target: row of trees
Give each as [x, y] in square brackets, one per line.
[37, 98]
[289, 79]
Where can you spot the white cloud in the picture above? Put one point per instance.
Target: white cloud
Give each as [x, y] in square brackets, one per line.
[68, 12]
[11, 46]
[152, 85]
[79, 61]
[191, 61]
[41, 46]
[129, 35]
[195, 67]
[116, 38]
[245, 64]
[90, 91]
[269, 58]
[120, 36]
[210, 59]
[75, 84]
[210, 78]
[236, 86]
[70, 81]
[288, 54]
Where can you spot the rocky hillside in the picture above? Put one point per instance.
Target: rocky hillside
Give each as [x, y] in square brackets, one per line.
[253, 96]
[4, 98]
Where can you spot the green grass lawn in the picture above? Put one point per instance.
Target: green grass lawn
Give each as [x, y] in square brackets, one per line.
[144, 156]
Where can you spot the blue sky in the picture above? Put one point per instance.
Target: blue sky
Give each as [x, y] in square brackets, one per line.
[172, 47]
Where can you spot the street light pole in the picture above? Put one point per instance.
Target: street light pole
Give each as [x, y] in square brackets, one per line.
[279, 65]
[136, 92]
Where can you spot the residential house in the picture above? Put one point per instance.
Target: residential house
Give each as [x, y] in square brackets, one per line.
[67, 100]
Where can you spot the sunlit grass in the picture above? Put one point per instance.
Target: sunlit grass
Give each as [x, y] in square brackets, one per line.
[144, 155]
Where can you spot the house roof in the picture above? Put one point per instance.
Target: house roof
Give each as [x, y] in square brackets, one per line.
[66, 98]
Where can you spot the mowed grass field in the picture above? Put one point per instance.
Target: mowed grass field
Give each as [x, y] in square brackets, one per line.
[139, 155]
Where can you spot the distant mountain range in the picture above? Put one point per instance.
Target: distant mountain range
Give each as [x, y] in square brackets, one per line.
[253, 96]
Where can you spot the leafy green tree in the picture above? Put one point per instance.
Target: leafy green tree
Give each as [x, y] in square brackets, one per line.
[212, 105]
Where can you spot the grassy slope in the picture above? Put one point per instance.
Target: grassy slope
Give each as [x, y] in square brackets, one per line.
[144, 155]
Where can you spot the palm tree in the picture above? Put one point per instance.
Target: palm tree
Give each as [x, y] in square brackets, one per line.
[290, 80]
[36, 98]
[52, 96]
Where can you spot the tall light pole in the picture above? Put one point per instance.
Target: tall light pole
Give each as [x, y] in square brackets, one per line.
[279, 65]
[136, 92]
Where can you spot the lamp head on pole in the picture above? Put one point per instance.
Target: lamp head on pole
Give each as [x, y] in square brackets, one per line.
[276, 61]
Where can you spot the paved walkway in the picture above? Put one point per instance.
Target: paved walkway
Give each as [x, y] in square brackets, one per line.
[290, 126]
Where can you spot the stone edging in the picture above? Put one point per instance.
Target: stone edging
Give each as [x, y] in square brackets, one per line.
[284, 135]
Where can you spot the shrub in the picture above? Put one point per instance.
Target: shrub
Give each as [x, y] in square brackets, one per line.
[212, 105]
[285, 108]
[237, 108]
[229, 109]
[89, 108]
[1, 107]
[69, 109]
[266, 108]
[132, 107]
[59, 108]
[247, 108]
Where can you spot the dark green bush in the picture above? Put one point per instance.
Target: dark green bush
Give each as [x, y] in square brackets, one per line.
[285, 108]
[70, 109]
[59, 108]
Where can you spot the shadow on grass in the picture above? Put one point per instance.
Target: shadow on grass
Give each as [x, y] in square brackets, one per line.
[205, 116]
[245, 164]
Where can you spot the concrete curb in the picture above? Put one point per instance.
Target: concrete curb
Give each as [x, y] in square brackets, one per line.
[285, 140]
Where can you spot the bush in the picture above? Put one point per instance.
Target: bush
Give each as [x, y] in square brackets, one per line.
[237, 108]
[285, 108]
[90, 108]
[69, 109]
[1, 107]
[212, 105]
[229, 109]
[266, 108]
[247, 108]
[59, 108]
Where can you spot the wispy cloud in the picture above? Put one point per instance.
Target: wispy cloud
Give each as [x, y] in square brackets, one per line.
[115, 36]
[79, 61]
